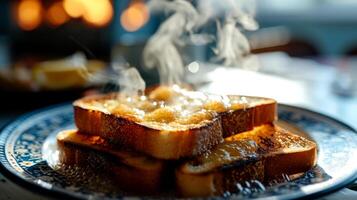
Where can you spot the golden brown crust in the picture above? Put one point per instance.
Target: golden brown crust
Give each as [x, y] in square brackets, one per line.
[217, 182]
[280, 152]
[246, 119]
[144, 177]
[156, 143]
[166, 144]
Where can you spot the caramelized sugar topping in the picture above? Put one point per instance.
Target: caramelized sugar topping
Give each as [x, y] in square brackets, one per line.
[174, 107]
[249, 146]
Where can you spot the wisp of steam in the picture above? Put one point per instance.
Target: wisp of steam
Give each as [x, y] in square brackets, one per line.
[232, 47]
[130, 81]
[161, 51]
[127, 78]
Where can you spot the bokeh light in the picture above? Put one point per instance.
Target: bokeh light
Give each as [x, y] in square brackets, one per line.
[74, 8]
[97, 12]
[135, 16]
[56, 15]
[29, 14]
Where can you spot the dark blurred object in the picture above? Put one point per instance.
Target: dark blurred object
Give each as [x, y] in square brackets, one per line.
[352, 52]
[5, 17]
[53, 29]
[280, 38]
[12, 101]
[294, 48]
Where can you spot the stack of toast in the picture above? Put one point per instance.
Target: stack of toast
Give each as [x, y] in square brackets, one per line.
[200, 144]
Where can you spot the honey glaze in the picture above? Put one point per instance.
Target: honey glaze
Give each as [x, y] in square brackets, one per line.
[173, 106]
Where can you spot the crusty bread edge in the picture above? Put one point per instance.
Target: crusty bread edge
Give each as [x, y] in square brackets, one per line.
[169, 144]
[130, 178]
[157, 143]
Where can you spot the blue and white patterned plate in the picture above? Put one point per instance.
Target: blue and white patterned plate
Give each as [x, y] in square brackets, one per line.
[25, 153]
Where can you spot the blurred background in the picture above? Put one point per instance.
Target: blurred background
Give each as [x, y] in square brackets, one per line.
[306, 52]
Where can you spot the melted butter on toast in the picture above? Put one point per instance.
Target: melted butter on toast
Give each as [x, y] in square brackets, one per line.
[263, 141]
[171, 107]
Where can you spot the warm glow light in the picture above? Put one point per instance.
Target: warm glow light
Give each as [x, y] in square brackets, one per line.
[74, 8]
[135, 16]
[56, 15]
[29, 14]
[97, 12]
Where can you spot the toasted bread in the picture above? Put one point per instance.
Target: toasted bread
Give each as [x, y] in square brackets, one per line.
[131, 171]
[263, 154]
[154, 124]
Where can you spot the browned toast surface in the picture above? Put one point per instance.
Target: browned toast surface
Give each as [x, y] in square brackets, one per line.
[131, 171]
[171, 125]
[263, 154]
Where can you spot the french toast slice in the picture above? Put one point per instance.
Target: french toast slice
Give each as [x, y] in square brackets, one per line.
[265, 153]
[171, 123]
[131, 171]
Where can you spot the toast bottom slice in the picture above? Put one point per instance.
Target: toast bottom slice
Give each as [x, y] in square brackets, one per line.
[131, 171]
[266, 153]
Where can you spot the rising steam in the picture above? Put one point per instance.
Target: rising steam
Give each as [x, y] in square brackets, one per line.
[130, 82]
[232, 46]
[161, 50]
[127, 78]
